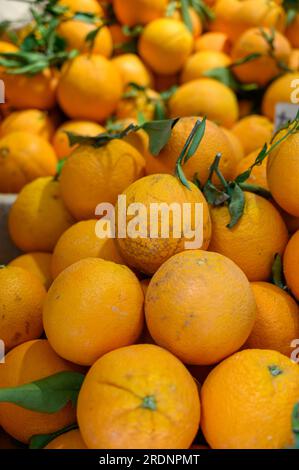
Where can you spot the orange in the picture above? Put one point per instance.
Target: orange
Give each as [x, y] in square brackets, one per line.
[235, 144]
[151, 246]
[31, 91]
[253, 132]
[85, 6]
[24, 157]
[205, 97]
[22, 296]
[294, 60]
[201, 62]
[84, 318]
[38, 217]
[277, 320]
[248, 400]
[30, 120]
[165, 45]
[191, 313]
[264, 68]
[68, 440]
[282, 174]
[259, 173]
[233, 17]
[7, 47]
[196, 22]
[292, 32]
[101, 174]
[89, 88]
[213, 41]
[133, 12]
[290, 264]
[119, 38]
[139, 139]
[139, 397]
[253, 242]
[38, 264]
[81, 241]
[133, 70]
[281, 90]
[144, 103]
[60, 140]
[30, 361]
[214, 141]
[75, 32]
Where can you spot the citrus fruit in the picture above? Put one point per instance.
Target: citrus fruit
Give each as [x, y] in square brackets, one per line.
[213, 41]
[290, 263]
[258, 174]
[38, 264]
[201, 62]
[68, 440]
[253, 132]
[281, 90]
[292, 32]
[133, 12]
[132, 70]
[29, 120]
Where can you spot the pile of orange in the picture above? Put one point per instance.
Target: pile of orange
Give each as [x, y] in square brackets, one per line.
[172, 345]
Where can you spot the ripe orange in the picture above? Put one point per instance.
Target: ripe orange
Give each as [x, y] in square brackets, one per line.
[277, 320]
[75, 32]
[259, 173]
[235, 144]
[139, 139]
[264, 68]
[133, 70]
[84, 318]
[68, 440]
[101, 174]
[138, 397]
[248, 400]
[22, 296]
[165, 45]
[290, 264]
[201, 62]
[84, 6]
[24, 157]
[292, 32]
[214, 141]
[30, 361]
[7, 47]
[30, 120]
[192, 314]
[253, 131]
[294, 60]
[213, 41]
[282, 173]
[60, 140]
[132, 12]
[38, 217]
[144, 102]
[281, 90]
[253, 242]
[205, 97]
[89, 88]
[80, 241]
[38, 264]
[146, 252]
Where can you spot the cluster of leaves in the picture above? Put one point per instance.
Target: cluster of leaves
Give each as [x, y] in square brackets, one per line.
[183, 6]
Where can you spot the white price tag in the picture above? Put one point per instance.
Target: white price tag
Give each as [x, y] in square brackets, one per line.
[285, 112]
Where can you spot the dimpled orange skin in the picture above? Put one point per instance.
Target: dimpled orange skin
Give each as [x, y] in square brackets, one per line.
[80, 241]
[60, 140]
[38, 217]
[292, 32]
[290, 264]
[68, 440]
[258, 175]
[245, 406]
[84, 318]
[253, 131]
[190, 312]
[277, 320]
[201, 62]
[139, 397]
[38, 264]
[30, 361]
[89, 88]
[264, 68]
[147, 254]
[165, 45]
[213, 41]
[101, 174]
[282, 174]
[132, 12]
[30, 120]
[22, 296]
[132, 69]
[24, 157]
[253, 242]
[205, 97]
[75, 32]
[214, 141]
[280, 90]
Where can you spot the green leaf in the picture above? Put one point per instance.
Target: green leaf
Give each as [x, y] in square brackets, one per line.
[160, 111]
[236, 204]
[200, 128]
[203, 10]
[167, 94]
[291, 15]
[252, 188]
[47, 395]
[39, 441]
[186, 14]
[277, 273]
[258, 161]
[171, 8]
[132, 31]
[85, 17]
[60, 165]
[213, 195]
[159, 133]
[181, 175]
